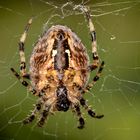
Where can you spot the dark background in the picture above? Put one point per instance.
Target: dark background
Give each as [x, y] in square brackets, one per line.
[116, 94]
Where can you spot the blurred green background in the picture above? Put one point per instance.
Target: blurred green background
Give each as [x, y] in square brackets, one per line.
[116, 94]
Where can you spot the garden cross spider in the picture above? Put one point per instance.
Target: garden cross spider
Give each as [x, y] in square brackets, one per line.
[59, 71]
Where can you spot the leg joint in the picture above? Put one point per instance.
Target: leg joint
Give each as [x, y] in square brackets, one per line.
[93, 36]
[21, 46]
[24, 83]
[96, 78]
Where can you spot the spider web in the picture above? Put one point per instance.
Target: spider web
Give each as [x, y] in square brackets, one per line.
[116, 94]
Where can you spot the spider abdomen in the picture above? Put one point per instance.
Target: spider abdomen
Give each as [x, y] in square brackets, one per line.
[60, 54]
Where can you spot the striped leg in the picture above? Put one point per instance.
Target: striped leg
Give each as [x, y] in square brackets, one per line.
[94, 41]
[95, 79]
[89, 110]
[24, 83]
[21, 51]
[80, 118]
[30, 118]
[44, 116]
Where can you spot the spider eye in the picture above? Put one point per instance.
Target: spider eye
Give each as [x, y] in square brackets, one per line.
[62, 103]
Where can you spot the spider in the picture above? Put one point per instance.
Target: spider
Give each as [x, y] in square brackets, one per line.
[59, 71]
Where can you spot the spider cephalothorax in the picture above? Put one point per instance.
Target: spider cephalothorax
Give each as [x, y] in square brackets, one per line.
[59, 71]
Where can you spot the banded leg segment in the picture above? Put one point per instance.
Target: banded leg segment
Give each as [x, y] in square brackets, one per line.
[24, 83]
[89, 110]
[80, 117]
[44, 116]
[94, 80]
[21, 51]
[93, 38]
[30, 118]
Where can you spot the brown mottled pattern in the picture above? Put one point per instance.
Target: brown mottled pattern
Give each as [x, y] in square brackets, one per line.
[42, 61]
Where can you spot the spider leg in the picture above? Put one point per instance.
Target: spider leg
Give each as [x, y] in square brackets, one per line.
[89, 110]
[44, 116]
[24, 83]
[94, 80]
[80, 117]
[31, 117]
[93, 38]
[21, 51]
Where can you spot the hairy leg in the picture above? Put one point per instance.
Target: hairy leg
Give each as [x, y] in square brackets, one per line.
[89, 110]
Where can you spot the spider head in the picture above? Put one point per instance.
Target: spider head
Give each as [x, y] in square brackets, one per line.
[62, 103]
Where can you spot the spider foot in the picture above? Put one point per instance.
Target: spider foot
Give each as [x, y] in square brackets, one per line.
[93, 114]
[82, 123]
